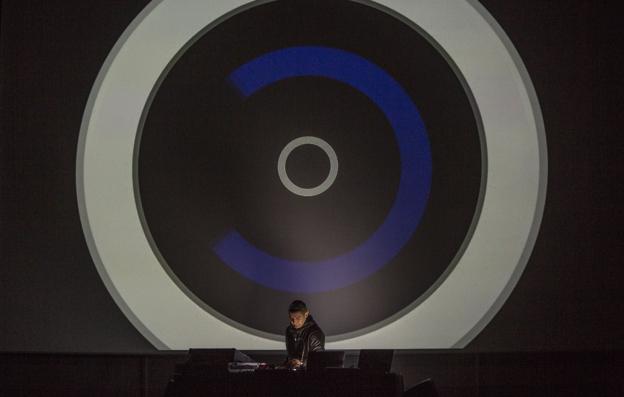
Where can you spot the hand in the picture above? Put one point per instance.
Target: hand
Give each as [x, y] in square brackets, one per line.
[294, 363]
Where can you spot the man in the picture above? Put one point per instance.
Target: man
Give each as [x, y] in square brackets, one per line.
[303, 335]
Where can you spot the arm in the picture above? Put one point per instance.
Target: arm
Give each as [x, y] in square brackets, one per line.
[317, 342]
[287, 342]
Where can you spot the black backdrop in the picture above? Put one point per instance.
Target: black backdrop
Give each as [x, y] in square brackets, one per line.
[52, 298]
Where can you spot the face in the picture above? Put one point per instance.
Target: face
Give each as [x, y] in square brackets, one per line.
[297, 319]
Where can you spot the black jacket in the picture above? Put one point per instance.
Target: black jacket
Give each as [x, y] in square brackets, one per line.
[308, 338]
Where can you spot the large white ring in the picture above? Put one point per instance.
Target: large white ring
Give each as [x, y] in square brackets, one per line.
[283, 157]
[462, 304]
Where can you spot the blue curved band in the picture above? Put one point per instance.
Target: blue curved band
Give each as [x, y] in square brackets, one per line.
[415, 181]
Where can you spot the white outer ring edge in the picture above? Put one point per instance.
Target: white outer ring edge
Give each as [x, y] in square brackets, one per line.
[452, 315]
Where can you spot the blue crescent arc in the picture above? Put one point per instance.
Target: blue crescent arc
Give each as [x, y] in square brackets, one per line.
[413, 190]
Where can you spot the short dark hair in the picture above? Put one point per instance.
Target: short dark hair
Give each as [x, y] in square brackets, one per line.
[297, 306]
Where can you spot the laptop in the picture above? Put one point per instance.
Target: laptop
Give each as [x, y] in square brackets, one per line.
[325, 359]
[217, 357]
[375, 360]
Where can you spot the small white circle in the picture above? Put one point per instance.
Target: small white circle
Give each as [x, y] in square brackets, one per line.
[333, 166]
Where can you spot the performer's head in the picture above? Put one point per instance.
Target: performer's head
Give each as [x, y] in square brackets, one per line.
[297, 314]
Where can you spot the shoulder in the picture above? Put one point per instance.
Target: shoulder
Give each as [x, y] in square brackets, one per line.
[316, 331]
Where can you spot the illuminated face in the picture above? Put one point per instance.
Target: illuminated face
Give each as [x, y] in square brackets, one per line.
[297, 319]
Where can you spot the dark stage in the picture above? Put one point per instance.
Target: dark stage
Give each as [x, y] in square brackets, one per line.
[454, 373]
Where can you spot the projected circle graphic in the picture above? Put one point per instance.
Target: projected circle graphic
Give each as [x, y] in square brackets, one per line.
[283, 158]
[218, 215]
[413, 190]
[208, 183]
